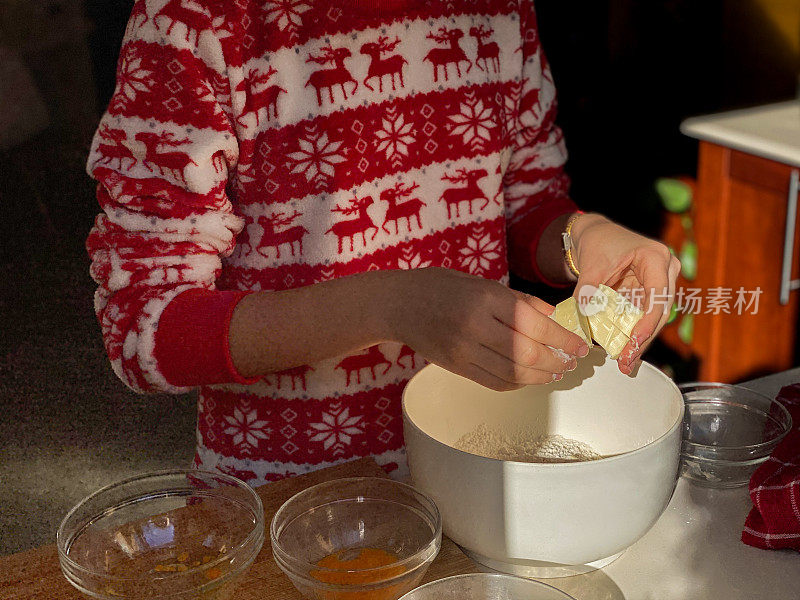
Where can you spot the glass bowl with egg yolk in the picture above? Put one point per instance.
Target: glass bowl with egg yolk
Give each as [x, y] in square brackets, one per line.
[356, 539]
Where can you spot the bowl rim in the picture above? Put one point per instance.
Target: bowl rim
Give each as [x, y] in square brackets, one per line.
[282, 556]
[487, 576]
[745, 447]
[551, 466]
[257, 532]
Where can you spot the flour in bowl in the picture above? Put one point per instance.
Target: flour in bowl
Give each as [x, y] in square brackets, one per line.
[523, 445]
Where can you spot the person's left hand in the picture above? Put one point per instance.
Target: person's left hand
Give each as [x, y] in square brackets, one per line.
[607, 253]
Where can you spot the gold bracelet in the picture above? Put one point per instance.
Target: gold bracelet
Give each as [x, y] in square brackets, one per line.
[568, 245]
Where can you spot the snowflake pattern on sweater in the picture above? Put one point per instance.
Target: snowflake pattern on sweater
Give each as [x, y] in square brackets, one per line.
[267, 145]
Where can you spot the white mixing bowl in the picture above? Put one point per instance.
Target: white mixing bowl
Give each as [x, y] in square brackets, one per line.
[548, 519]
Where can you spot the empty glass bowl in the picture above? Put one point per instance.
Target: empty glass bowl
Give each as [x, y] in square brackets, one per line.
[360, 538]
[172, 534]
[486, 586]
[729, 431]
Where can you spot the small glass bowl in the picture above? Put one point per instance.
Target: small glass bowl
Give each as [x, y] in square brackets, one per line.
[728, 431]
[486, 586]
[339, 521]
[180, 534]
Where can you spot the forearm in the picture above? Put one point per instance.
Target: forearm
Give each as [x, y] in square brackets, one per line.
[550, 252]
[271, 331]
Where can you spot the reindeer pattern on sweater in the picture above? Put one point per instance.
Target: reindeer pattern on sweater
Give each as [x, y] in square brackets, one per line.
[267, 145]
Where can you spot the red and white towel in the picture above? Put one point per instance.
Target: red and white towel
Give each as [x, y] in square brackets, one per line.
[774, 521]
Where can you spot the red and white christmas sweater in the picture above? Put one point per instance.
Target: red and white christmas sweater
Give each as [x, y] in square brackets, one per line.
[272, 144]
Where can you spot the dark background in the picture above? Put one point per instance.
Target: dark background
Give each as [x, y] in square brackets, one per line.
[627, 71]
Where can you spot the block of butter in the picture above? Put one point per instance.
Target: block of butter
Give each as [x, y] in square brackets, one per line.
[612, 325]
[572, 319]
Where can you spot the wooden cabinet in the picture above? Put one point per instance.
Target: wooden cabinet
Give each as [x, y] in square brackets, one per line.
[748, 237]
[741, 209]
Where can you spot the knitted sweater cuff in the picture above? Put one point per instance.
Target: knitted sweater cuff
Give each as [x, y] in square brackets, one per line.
[191, 343]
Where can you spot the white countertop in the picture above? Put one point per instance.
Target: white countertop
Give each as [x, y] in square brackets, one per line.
[771, 131]
[695, 552]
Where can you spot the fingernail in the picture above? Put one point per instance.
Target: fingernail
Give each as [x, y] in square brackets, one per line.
[558, 376]
[631, 354]
[638, 340]
[573, 365]
[583, 350]
[563, 356]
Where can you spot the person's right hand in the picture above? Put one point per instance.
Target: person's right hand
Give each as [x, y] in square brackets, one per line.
[482, 330]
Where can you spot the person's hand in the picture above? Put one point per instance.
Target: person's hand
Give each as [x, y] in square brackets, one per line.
[607, 253]
[482, 330]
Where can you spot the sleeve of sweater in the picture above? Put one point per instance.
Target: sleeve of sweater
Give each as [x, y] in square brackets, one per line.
[535, 184]
[161, 157]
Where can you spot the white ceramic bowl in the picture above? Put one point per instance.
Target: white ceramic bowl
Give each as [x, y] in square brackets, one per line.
[548, 520]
